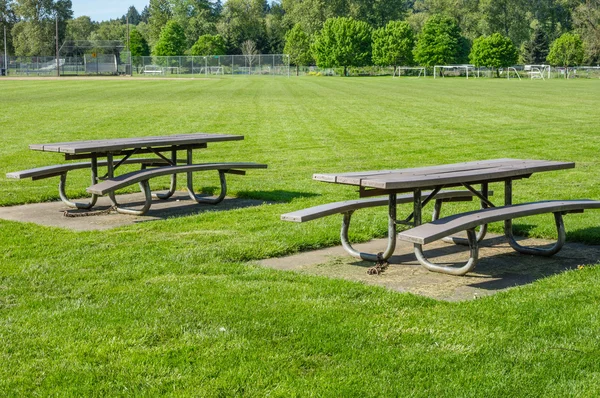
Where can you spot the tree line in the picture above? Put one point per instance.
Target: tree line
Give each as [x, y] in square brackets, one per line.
[325, 32]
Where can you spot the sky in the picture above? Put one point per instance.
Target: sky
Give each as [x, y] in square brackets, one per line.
[102, 10]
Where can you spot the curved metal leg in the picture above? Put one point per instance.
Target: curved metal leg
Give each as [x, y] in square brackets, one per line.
[76, 205]
[562, 237]
[203, 199]
[391, 245]
[145, 187]
[458, 271]
[170, 192]
[452, 239]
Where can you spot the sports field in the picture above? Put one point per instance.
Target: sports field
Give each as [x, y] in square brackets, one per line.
[176, 307]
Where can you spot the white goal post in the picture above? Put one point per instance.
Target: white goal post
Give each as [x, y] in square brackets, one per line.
[466, 68]
[399, 69]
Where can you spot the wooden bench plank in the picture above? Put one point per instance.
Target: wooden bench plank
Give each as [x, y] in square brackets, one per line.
[447, 226]
[125, 180]
[328, 209]
[52, 171]
[117, 144]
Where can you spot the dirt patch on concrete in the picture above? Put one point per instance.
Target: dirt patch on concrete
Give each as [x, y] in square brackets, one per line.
[53, 213]
[499, 267]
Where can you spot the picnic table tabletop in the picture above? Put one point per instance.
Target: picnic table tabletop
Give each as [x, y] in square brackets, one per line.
[445, 175]
[117, 144]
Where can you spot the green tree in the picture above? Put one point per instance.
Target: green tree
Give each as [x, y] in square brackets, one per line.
[33, 34]
[297, 46]
[586, 19]
[80, 28]
[566, 51]
[535, 50]
[275, 29]
[393, 44]
[440, 42]
[310, 14]
[195, 17]
[159, 14]
[243, 20]
[171, 41]
[509, 17]
[209, 45]
[495, 51]
[132, 16]
[112, 30]
[343, 42]
[8, 19]
[138, 45]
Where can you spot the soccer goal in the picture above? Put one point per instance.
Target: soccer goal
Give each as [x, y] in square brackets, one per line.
[454, 70]
[414, 69]
[538, 71]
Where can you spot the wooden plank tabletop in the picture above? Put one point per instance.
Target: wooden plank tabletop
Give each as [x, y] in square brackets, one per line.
[432, 176]
[117, 144]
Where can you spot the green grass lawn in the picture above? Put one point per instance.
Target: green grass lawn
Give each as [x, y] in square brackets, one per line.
[176, 307]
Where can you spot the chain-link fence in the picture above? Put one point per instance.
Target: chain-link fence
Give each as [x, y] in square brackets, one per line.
[189, 66]
[182, 66]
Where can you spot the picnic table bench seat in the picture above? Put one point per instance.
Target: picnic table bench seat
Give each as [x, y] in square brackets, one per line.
[443, 227]
[348, 207]
[109, 186]
[39, 173]
[61, 170]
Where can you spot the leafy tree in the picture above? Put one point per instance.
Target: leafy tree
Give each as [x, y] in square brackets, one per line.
[566, 51]
[440, 42]
[310, 14]
[343, 42]
[380, 13]
[494, 51]
[535, 50]
[171, 41]
[466, 13]
[159, 14]
[37, 24]
[243, 20]
[112, 30]
[297, 46]
[586, 18]
[509, 17]
[8, 18]
[209, 45]
[393, 44]
[195, 17]
[138, 45]
[80, 28]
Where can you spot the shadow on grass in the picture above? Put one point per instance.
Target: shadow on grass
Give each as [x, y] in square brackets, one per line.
[275, 196]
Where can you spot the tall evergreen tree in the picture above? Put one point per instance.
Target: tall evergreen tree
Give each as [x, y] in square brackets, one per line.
[535, 50]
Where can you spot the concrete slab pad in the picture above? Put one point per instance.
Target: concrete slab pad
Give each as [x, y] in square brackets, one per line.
[57, 214]
[498, 269]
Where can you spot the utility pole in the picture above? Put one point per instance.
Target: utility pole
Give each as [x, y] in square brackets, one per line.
[128, 47]
[57, 61]
[5, 53]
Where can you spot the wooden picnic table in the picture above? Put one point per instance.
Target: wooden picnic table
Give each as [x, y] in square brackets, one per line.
[165, 150]
[436, 178]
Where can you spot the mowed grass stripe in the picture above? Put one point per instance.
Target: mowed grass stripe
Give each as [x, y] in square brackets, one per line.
[173, 307]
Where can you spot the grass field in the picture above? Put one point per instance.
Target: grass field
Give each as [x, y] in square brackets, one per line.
[176, 307]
